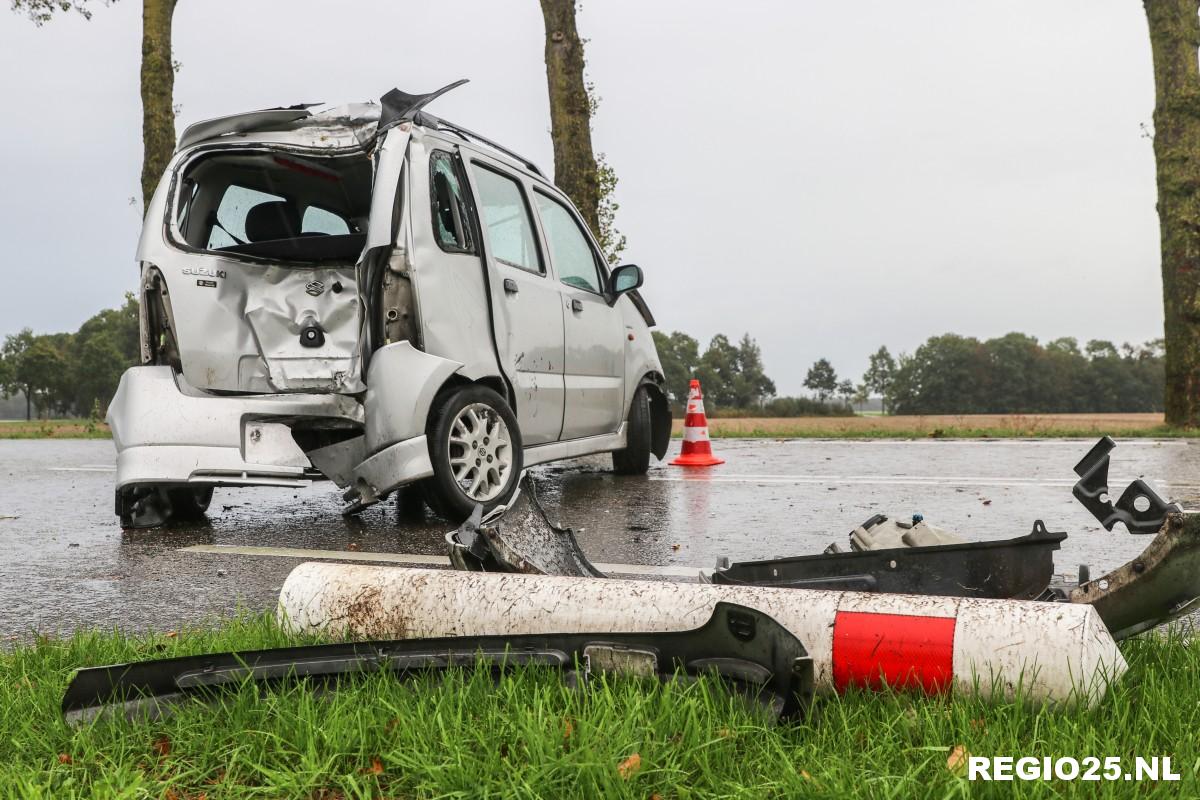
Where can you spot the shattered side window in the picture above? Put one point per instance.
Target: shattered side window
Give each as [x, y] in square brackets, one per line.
[230, 227]
[187, 195]
[265, 204]
[504, 212]
[451, 226]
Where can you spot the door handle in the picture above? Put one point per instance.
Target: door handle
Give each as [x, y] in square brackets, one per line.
[510, 286]
[577, 305]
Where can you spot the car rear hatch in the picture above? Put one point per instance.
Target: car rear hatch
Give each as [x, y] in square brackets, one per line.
[265, 236]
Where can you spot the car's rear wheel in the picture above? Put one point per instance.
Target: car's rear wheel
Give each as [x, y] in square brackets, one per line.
[475, 447]
[635, 458]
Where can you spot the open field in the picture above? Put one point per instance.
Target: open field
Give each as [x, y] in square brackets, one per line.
[529, 736]
[53, 429]
[950, 426]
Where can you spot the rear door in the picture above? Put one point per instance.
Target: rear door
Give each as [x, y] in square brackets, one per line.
[526, 303]
[594, 377]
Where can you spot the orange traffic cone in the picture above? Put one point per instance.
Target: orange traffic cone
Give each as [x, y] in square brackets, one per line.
[697, 450]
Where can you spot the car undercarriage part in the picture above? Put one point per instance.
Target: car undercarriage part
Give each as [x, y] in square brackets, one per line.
[1161, 584]
[884, 533]
[1058, 652]
[1139, 507]
[151, 506]
[1019, 568]
[743, 647]
[518, 537]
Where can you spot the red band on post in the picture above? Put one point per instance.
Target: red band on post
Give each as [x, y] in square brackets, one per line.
[897, 650]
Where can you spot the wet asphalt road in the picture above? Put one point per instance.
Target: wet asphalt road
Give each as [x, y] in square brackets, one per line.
[65, 562]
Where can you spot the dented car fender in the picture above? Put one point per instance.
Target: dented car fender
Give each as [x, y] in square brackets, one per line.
[401, 384]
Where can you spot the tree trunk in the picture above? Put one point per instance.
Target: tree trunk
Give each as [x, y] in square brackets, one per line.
[1174, 39]
[158, 94]
[28, 404]
[570, 112]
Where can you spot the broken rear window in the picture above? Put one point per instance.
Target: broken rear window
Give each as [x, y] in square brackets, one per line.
[276, 205]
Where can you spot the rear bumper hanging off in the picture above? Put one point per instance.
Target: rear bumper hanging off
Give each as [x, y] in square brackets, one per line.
[166, 432]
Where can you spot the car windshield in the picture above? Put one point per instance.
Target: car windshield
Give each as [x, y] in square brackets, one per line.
[276, 205]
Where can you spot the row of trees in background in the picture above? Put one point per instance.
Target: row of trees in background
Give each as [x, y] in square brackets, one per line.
[948, 374]
[823, 380]
[1011, 374]
[71, 374]
[1017, 374]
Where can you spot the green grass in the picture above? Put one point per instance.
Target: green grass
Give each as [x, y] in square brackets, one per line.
[54, 429]
[529, 736]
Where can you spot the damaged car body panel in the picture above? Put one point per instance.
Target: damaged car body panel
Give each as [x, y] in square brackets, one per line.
[743, 647]
[259, 237]
[403, 382]
[1019, 569]
[518, 537]
[1161, 584]
[418, 271]
[1139, 508]
[175, 443]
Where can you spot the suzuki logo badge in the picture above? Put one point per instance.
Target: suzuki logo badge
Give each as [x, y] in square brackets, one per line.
[314, 288]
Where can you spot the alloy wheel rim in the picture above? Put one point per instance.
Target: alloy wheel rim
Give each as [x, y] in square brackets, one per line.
[480, 450]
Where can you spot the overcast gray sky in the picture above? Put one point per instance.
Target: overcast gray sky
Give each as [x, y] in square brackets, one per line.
[827, 176]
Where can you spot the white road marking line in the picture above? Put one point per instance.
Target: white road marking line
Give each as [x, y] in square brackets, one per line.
[954, 478]
[893, 480]
[933, 442]
[82, 469]
[411, 559]
[849, 482]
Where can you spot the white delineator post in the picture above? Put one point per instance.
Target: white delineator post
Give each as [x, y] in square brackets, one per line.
[1053, 651]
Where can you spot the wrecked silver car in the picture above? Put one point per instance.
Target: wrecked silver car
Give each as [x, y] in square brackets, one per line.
[379, 297]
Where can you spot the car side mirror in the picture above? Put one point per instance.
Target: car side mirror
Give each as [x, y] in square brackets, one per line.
[625, 278]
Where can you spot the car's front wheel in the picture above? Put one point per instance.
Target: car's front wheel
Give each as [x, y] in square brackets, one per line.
[635, 458]
[475, 447]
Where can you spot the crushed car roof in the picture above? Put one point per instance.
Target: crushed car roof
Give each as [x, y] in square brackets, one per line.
[342, 125]
[359, 119]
